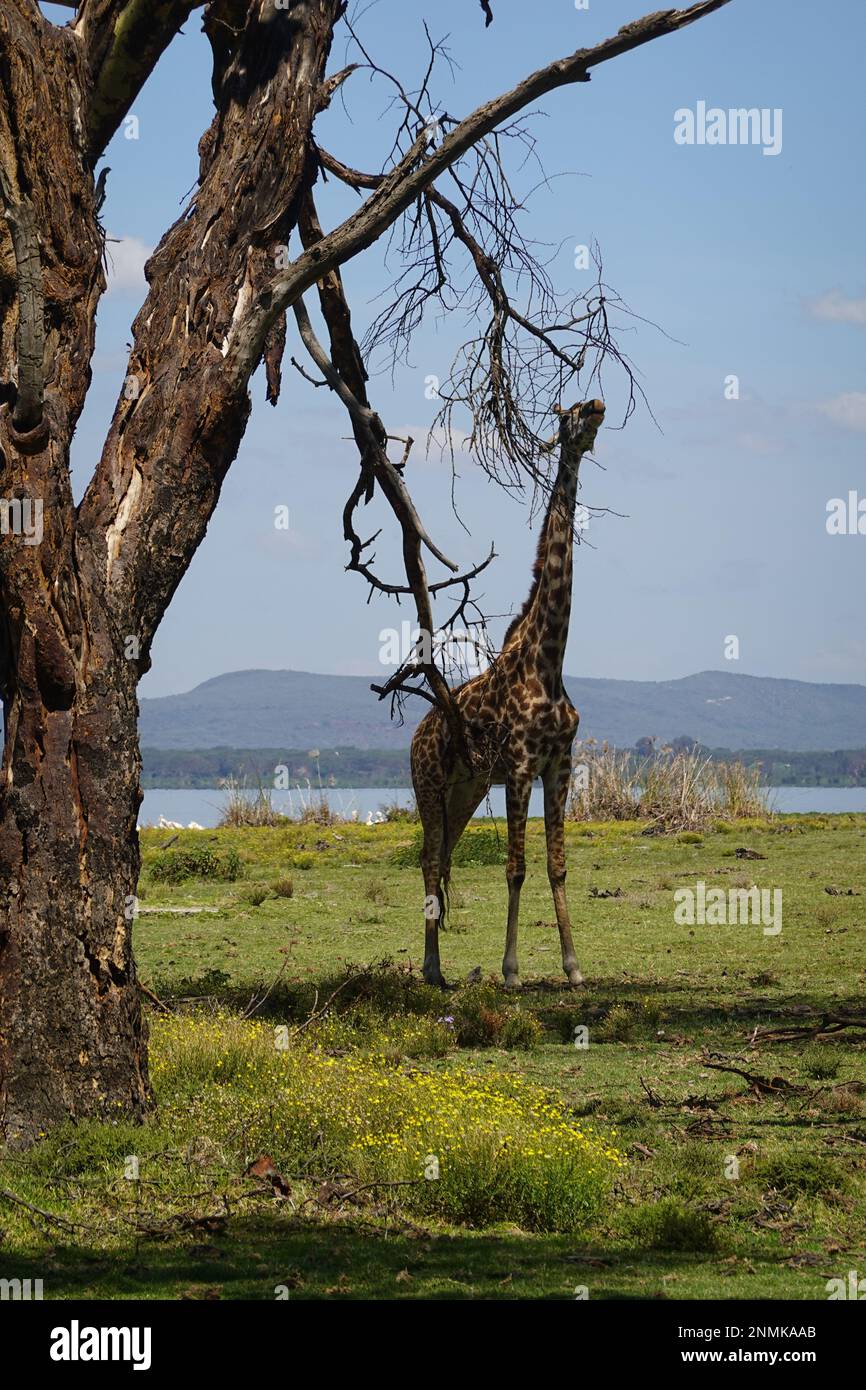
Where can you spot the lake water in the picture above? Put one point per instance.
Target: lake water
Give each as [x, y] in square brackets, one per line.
[205, 807]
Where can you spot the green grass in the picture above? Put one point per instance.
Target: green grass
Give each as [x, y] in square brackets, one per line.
[661, 999]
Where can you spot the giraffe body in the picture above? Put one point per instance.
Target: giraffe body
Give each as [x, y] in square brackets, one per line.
[520, 725]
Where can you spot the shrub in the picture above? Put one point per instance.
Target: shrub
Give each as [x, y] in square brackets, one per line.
[618, 1025]
[803, 1174]
[242, 809]
[670, 1225]
[317, 810]
[87, 1148]
[386, 990]
[396, 811]
[484, 845]
[199, 862]
[520, 1030]
[376, 892]
[482, 1018]
[682, 790]
[472, 1149]
[284, 887]
[424, 1037]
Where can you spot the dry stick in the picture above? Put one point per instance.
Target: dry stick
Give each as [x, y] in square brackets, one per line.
[50, 1216]
[149, 994]
[328, 1002]
[488, 270]
[831, 1025]
[652, 1098]
[365, 1187]
[341, 1197]
[254, 1008]
[856, 1086]
[773, 1086]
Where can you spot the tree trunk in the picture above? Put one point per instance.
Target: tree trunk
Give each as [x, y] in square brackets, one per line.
[80, 603]
[73, 1039]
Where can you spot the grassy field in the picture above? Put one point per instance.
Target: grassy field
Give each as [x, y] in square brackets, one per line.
[749, 1182]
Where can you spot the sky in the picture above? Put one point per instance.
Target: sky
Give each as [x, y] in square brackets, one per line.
[710, 514]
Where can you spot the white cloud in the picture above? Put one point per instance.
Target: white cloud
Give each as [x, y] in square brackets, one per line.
[837, 307]
[847, 409]
[126, 256]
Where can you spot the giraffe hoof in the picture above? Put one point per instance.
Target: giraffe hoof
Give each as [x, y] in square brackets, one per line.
[437, 981]
[513, 982]
[575, 979]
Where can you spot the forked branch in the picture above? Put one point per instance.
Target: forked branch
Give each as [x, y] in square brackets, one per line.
[421, 166]
[342, 367]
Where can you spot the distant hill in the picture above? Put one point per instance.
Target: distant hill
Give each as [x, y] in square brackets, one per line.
[298, 709]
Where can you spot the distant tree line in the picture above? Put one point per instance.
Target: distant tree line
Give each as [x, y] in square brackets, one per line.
[389, 767]
[270, 767]
[846, 767]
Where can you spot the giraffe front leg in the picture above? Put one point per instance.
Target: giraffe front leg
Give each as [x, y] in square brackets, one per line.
[516, 805]
[434, 907]
[556, 783]
[434, 897]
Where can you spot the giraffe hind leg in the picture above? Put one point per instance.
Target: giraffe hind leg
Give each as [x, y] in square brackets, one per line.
[516, 804]
[434, 870]
[444, 819]
[556, 780]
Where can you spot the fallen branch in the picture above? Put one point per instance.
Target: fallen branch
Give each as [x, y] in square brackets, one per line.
[830, 1026]
[7, 1196]
[762, 1085]
[149, 994]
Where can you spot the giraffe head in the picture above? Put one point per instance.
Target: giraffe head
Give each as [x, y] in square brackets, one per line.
[579, 426]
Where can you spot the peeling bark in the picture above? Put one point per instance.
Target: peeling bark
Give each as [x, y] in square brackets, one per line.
[72, 1039]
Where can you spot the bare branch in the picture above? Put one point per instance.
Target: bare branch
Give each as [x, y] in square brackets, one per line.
[507, 375]
[419, 168]
[123, 41]
[344, 370]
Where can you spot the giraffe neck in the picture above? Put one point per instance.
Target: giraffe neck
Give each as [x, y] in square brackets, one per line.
[542, 627]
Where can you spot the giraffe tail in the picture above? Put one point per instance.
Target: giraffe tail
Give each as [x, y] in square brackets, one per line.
[445, 869]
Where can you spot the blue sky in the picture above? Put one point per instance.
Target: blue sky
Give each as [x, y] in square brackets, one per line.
[752, 264]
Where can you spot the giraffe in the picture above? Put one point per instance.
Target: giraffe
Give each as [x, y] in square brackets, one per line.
[520, 724]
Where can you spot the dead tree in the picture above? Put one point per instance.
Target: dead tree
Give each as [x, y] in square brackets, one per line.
[82, 593]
